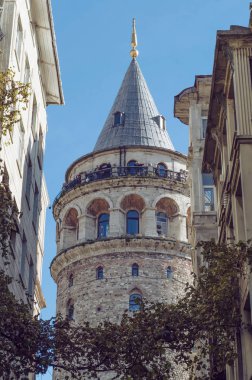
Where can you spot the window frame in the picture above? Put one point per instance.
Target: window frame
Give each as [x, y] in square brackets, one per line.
[135, 270]
[99, 273]
[163, 231]
[119, 119]
[101, 223]
[19, 41]
[169, 272]
[161, 171]
[131, 218]
[203, 127]
[133, 306]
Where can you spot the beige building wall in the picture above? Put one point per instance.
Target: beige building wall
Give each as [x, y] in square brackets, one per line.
[228, 151]
[191, 108]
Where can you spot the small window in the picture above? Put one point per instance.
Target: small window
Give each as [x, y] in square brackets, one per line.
[20, 149]
[31, 279]
[162, 223]
[160, 120]
[24, 252]
[40, 149]
[161, 170]
[169, 272]
[36, 207]
[70, 281]
[34, 116]
[203, 127]
[99, 273]
[70, 310]
[28, 184]
[103, 225]
[135, 270]
[135, 302]
[207, 179]
[208, 199]
[27, 72]
[119, 118]
[19, 40]
[132, 222]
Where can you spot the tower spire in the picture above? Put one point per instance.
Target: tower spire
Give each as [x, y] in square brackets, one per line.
[134, 52]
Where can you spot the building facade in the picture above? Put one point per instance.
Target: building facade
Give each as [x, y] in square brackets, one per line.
[218, 110]
[28, 47]
[121, 215]
[191, 108]
[228, 152]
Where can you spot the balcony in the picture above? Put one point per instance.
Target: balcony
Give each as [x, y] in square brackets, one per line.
[109, 172]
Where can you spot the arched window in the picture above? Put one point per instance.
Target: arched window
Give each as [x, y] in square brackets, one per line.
[103, 225]
[99, 273]
[135, 302]
[70, 310]
[169, 272]
[161, 170]
[135, 270]
[132, 167]
[162, 223]
[70, 280]
[132, 222]
[119, 118]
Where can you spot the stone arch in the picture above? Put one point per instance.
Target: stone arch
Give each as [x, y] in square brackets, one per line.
[167, 211]
[94, 209]
[167, 205]
[70, 227]
[66, 211]
[98, 205]
[132, 201]
[136, 289]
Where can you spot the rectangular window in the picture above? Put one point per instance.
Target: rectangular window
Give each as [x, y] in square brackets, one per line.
[31, 279]
[208, 199]
[208, 189]
[13, 238]
[207, 179]
[1, 17]
[27, 72]
[34, 116]
[40, 149]
[35, 207]
[23, 257]
[203, 127]
[20, 150]
[19, 41]
[28, 181]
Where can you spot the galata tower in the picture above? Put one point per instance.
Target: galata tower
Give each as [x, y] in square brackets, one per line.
[122, 214]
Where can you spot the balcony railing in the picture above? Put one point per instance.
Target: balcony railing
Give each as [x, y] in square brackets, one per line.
[120, 172]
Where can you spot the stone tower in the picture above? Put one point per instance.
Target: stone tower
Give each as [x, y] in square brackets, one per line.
[122, 214]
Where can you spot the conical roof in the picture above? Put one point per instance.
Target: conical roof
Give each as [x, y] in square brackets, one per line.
[141, 123]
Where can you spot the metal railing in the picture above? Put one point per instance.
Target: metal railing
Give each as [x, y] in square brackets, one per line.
[121, 171]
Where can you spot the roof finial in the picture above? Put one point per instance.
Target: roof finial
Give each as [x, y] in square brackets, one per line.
[134, 52]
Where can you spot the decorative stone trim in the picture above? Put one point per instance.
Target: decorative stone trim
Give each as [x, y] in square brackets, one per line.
[118, 245]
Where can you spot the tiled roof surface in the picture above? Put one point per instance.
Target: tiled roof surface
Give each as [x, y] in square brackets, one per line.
[140, 124]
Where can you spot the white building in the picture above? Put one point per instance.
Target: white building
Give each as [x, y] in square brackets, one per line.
[28, 47]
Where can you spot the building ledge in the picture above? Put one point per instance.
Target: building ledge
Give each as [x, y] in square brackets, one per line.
[119, 245]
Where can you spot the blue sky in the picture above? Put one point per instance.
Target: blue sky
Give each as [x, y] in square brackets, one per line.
[176, 41]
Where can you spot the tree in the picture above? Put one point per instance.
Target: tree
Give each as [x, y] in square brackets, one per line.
[207, 317]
